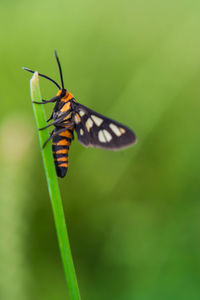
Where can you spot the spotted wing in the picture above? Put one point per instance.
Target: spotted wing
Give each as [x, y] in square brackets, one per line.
[96, 130]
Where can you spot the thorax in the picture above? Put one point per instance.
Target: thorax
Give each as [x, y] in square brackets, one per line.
[64, 107]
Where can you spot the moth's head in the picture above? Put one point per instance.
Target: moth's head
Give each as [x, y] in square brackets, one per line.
[63, 93]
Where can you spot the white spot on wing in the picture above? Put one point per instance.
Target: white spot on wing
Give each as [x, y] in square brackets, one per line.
[89, 124]
[76, 119]
[81, 113]
[101, 136]
[122, 130]
[98, 121]
[115, 129]
[107, 135]
[81, 131]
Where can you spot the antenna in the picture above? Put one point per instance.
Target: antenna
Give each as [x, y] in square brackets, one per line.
[42, 75]
[60, 70]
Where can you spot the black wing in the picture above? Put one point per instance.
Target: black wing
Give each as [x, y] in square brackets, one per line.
[96, 130]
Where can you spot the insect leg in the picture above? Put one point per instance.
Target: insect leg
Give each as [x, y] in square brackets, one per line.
[54, 123]
[58, 121]
[51, 117]
[54, 99]
[57, 133]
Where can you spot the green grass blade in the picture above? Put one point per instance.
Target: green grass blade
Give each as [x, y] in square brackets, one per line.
[54, 192]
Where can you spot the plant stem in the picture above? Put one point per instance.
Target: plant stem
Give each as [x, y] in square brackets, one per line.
[54, 192]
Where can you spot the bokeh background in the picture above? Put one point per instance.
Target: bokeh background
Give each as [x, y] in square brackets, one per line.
[133, 216]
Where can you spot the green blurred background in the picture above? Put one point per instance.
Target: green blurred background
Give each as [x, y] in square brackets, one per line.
[134, 215]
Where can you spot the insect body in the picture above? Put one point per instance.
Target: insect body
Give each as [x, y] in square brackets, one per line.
[92, 128]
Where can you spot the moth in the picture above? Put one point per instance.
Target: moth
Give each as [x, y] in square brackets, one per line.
[93, 129]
